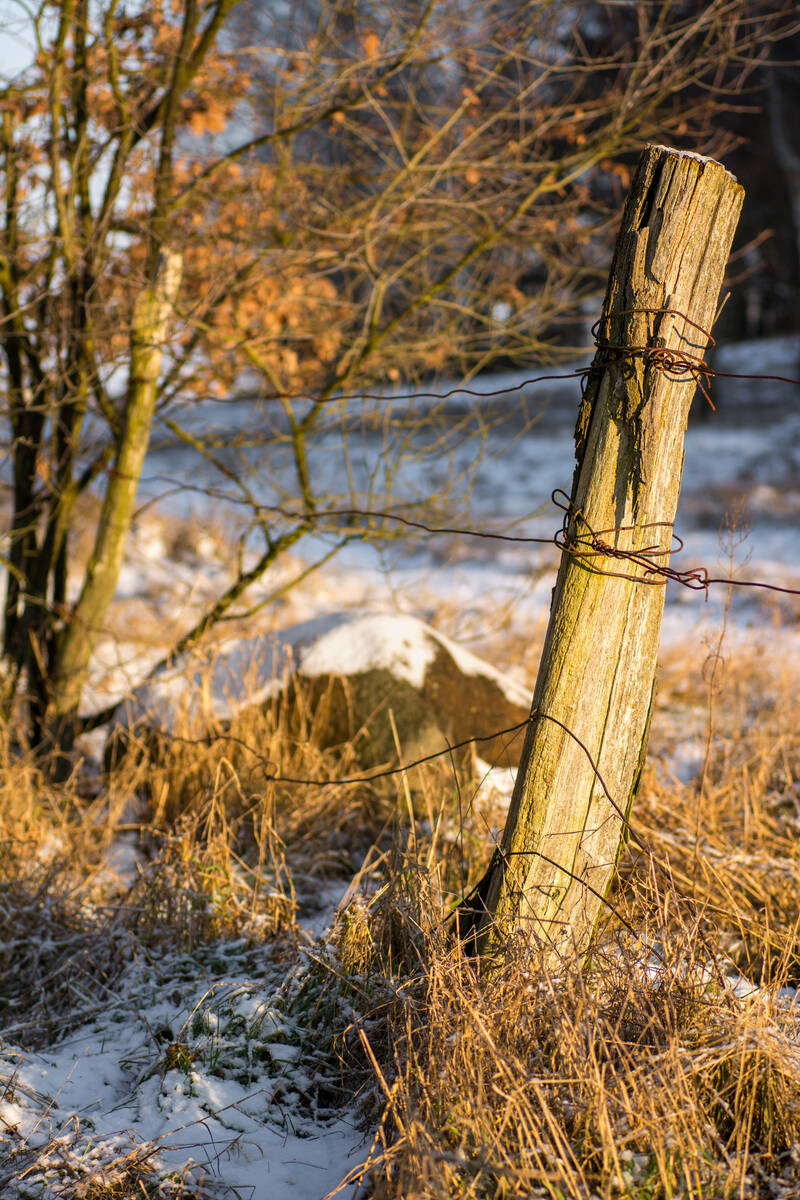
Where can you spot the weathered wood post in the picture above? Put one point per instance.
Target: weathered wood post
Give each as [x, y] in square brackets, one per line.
[597, 672]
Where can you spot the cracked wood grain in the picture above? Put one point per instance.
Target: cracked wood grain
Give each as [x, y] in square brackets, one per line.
[563, 835]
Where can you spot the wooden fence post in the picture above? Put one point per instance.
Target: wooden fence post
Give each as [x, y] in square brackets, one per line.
[596, 677]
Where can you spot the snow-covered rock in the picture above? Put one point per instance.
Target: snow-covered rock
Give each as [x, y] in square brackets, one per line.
[354, 671]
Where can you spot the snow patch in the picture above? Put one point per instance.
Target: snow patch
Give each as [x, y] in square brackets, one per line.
[253, 670]
[397, 643]
[207, 1079]
[701, 158]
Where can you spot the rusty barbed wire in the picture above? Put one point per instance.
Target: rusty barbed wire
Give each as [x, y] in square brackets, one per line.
[576, 373]
[584, 548]
[675, 364]
[273, 776]
[592, 545]
[678, 366]
[471, 907]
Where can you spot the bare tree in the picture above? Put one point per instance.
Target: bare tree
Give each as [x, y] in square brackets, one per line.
[364, 194]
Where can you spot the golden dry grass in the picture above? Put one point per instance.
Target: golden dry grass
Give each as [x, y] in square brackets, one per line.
[648, 1071]
[645, 1072]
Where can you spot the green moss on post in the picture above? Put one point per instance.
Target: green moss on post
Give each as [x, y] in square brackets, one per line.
[562, 837]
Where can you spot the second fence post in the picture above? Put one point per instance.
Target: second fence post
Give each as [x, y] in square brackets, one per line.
[585, 745]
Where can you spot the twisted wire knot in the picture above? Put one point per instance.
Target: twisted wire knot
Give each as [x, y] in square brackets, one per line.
[591, 544]
[679, 363]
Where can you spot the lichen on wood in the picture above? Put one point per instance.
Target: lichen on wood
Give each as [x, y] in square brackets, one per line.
[596, 678]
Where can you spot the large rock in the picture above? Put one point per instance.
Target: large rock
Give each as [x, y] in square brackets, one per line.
[353, 671]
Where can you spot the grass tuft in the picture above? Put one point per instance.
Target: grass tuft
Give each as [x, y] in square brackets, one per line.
[665, 1066]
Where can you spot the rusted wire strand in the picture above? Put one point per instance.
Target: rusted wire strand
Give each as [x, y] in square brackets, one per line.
[473, 393]
[677, 365]
[273, 776]
[591, 545]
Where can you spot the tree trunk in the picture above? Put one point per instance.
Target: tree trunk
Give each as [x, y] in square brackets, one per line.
[148, 337]
[596, 677]
[781, 118]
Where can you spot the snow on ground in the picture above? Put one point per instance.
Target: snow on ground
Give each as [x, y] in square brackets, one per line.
[214, 683]
[202, 1067]
[199, 1063]
[197, 1066]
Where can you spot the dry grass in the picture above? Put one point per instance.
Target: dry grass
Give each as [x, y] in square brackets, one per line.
[588, 1082]
[649, 1071]
[643, 1073]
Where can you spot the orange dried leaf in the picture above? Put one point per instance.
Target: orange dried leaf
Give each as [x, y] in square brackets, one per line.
[370, 44]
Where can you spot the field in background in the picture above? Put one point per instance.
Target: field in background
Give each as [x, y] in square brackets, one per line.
[216, 985]
[187, 1012]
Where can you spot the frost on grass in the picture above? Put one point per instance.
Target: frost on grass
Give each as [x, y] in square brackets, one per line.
[212, 1072]
[198, 1077]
